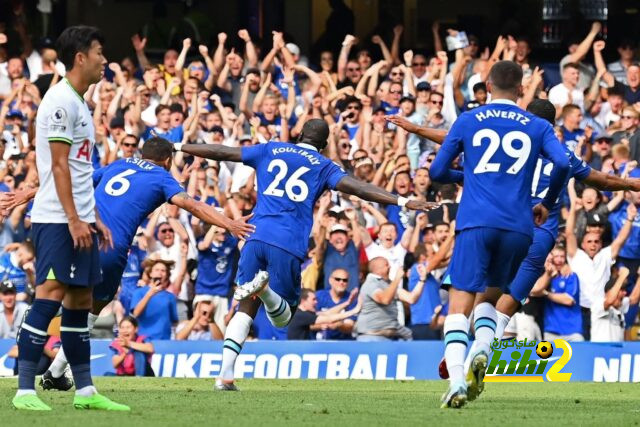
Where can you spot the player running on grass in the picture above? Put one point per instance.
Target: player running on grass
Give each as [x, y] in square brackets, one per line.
[544, 235]
[501, 145]
[126, 192]
[291, 178]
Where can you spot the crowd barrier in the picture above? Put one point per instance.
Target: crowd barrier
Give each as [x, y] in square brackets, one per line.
[417, 360]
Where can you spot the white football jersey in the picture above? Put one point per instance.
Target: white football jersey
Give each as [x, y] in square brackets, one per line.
[64, 116]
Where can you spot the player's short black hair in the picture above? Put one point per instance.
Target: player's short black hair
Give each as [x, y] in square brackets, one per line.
[76, 39]
[506, 76]
[315, 132]
[543, 109]
[157, 149]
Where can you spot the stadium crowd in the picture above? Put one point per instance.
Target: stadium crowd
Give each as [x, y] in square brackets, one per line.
[373, 272]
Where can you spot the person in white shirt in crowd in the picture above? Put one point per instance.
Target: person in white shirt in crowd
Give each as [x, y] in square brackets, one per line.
[567, 92]
[591, 262]
[577, 52]
[608, 310]
[11, 311]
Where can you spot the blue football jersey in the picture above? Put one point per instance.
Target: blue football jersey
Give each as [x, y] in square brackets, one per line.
[501, 144]
[290, 180]
[541, 181]
[127, 191]
[215, 265]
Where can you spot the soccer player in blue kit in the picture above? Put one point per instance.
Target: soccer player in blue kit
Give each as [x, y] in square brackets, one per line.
[501, 145]
[290, 178]
[126, 192]
[544, 235]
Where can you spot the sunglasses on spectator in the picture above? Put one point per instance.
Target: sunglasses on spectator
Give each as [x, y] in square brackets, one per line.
[603, 141]
[395, 92]
[341, 279]
[345, 145]
[196, 68]
[436, 102]
[124, 144]
[165, 230]
[353, 107]
[419, 64]
[397, 73]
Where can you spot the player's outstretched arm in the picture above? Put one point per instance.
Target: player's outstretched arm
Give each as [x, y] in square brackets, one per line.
[238, 228]
[603, 181]
[435, 135]
[369, 192]
[211, 151]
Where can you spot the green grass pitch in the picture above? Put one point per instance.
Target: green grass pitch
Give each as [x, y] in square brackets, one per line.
[192, 402]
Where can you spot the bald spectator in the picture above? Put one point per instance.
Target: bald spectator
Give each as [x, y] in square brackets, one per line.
[378, 320]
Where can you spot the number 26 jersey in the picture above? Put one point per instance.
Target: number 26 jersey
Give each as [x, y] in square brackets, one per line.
[290, 180]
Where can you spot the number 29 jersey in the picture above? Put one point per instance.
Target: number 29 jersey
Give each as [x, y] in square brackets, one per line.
[290, 180]
[127, 191]
[501, 144]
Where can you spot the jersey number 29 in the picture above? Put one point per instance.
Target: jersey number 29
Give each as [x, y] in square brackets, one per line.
[520, 154]
[295, 188]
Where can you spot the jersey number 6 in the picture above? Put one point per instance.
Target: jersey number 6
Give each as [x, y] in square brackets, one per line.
[521, 154]
[110, 189]
[294, 182]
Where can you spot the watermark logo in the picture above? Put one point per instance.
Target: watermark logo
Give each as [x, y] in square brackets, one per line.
[514, 361]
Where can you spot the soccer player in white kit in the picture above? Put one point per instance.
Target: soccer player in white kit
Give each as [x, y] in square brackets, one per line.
[66, 226]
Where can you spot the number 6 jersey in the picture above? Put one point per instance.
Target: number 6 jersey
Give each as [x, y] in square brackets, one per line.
[127, 191]
[290, 180]
[64, 118]
[501, 144]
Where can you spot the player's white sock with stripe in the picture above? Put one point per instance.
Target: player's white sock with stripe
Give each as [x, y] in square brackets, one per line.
[456, 339]
[485, 327]
[278, 310]
[59, 364]
[501, 324]
[234, 338]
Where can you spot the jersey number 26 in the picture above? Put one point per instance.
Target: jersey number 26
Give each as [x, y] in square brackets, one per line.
[520, 154]
[295, 188]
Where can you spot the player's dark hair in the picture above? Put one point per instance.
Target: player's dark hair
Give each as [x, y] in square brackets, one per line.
[157, 149]
[131, 320]
[506, 76]
[76, 39]
[543, 109]
[315, 132]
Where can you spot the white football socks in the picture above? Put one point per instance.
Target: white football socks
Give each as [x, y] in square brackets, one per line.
[278, 310]
[234, 338]
[456, 339]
